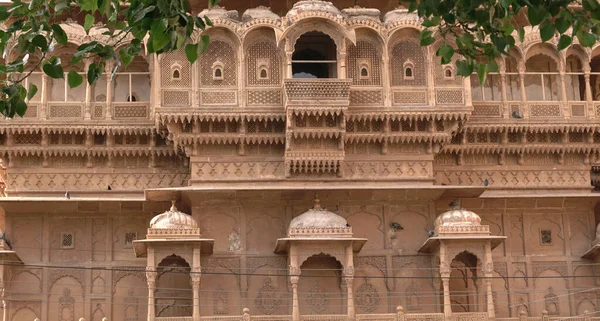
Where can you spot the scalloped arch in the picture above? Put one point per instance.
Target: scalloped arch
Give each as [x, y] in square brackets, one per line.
[334, 30]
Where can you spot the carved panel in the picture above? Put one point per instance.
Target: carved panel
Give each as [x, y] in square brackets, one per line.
[487, 110]
[208, 171]
[129, 111]
[387, 169]
[517, 178]
[544, 110]
[367, 297]
[268, 300]
[265, 97]
[81, 181]
[218, 98]
[412, 97]
[366, 97]
[65, 110]
[450, 96]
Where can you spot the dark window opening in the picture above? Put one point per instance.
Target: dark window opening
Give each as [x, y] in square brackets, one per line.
[546, 237]
[176, 74]
[448, 73]
[263, 74]
[408, 73]
[131, 98]
[364, 72]
[315, 56]
[218, 73]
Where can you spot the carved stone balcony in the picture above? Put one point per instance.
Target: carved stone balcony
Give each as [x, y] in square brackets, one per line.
[307, 93]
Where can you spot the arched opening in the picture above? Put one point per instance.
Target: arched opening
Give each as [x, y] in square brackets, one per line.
[320, 286]
[132, 83]
[176, 75]
[58, 89]
[541, 80]
[408, 73]
[595, 74]
[263, 74]
[574, 80]
[464, 290]
[218, 73]
[448, 73]
[315, 56]
[173, 288]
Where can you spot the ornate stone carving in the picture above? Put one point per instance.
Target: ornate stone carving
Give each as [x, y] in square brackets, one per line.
[120, 273]
[231, 264]
[3, 179]
[78, 274]
[551, 302]
[220, 301]
[367, 297]
[131, 306]
[376, 261]
[317, 298]
[413, 302]
[268, 300]
[66, 306]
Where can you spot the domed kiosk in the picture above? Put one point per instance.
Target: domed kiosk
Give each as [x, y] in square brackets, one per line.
[320, 232]
[457, 233]
[173, 241]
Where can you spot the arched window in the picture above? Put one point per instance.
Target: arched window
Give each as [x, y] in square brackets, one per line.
[176, 72]
[448, 73]
[409, 67]
[315, 56]
[263, 74]
[217, 69]
[364, 70]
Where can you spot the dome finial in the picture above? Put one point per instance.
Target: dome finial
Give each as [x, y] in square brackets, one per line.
[317, 205]
[173, 208]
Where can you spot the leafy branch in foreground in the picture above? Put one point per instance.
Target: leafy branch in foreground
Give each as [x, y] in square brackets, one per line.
[34, 29]
[485, 30]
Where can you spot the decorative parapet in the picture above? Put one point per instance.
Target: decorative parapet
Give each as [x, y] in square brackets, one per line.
[470, 316]
[172, 233]
[471, 229]
[3, 179]
[318, 91]
[319, 231]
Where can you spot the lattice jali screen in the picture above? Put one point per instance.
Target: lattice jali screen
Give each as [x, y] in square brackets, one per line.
[32, 111]
[516, 108]
[130, 111]
[491, 110]
[264, 97]
[175, 98]
[364, 51]
[62, 110]
[98, 111]
[439, 70]
[264, 48]
[218, 98]
[27, 139]
[544, 110]
[405, 97]
[366, 97]
[578, 110]
[450, 96]
[223, 53]
[169, 63]
[402, 51]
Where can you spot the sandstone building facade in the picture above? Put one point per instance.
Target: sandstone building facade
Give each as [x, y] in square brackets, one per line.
[315, 151]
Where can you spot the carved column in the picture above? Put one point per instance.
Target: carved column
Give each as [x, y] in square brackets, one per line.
[445, 276]
[505, 106]
[288, 56]
[108, 92]
[349, 274]
[563, 88]
[151, 279]
[88, 94]
[196, 288]
[44, 96]
[295, 307]
[386, 76]
[523, 93]
[342, 61]
[588, 92]
[488, 272]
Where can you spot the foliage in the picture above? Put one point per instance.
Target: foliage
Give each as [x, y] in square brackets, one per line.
[484, 30]
[33, 28]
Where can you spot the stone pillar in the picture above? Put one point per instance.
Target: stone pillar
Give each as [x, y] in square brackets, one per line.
[196, 288]
[295, 307]
[351, 311]
[505, 106]
[44, 96]
[588, 93]
[109, 94]
[523, 93]
[447, 304]
[151, 279]
[288, 55]
[488, 272]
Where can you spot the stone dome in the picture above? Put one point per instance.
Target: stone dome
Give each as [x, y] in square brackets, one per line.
[314, 5]
[260, 12]
[400, 14]
[458, 217]
[318, 218]
[173, 219]
[366, 13]
[217, 12]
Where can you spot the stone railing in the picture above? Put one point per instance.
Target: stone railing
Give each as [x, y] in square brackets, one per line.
[324, 317]
[154, 233]
[473, 316]
[176, 318]
[481, 229]
[318, 90]
[319, 231]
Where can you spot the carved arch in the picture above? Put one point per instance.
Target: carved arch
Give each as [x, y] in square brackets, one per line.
[335, 31]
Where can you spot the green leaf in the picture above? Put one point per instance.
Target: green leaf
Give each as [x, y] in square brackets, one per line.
[446, 52]
[562, 24]
[482, 72]
[89, 22]
[20, 107]
[492, 66]
[74, 79]
[160, 38]
[94, 72]
[204, 41]
[536, 15]
[139, 15]
[547, 31]
[208, 21]
[588, 39]
[33, 89]
[464, 68]
[425, 38]
[40, 42]
[191, 52]
[53, 68]
[564, 42]
[505, 3]
[126, 58]
[59, 34]
[434, 21]
[521, 34]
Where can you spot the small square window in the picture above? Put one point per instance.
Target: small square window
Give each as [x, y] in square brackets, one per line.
[67, 240]
[546, 237]
[129, 238]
